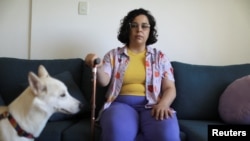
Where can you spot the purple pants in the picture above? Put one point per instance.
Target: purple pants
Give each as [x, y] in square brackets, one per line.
[127, 120]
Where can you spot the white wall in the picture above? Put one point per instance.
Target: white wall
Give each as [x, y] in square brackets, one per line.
[14, 28]
[213, 32]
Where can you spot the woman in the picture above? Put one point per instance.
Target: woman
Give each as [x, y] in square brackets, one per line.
[141, 85]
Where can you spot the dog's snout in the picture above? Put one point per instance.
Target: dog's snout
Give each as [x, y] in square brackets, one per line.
[80, 105]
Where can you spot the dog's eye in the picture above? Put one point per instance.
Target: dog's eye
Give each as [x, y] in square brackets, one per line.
[63, 95]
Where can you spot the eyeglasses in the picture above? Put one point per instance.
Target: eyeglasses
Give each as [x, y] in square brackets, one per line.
[134, 25]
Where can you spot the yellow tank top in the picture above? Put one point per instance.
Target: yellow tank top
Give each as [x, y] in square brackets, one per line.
[135, 75]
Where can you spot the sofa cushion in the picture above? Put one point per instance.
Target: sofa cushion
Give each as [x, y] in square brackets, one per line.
[81, 131]
[53, 130]
[197, 130]
[234, 105]
[199, 88]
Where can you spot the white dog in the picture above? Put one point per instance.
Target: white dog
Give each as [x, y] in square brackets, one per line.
[25, 118]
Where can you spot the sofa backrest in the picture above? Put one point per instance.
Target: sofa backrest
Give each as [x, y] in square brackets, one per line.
[199, 88]
[14, 73]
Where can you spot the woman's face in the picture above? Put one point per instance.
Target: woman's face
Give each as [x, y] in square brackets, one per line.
[139, 30]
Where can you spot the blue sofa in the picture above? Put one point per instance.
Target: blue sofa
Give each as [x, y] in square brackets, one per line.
[198, 90]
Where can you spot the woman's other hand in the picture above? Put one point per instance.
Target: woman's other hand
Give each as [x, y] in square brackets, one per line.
[161, 112]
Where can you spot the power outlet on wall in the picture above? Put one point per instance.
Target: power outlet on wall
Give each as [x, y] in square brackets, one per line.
[83, 8]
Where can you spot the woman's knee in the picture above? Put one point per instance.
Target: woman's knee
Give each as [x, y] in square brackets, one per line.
[119, 122]
[165, 130]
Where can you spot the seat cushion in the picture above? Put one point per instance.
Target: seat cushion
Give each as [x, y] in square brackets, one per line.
[196, 130]
[234, 105]
[53, 130]
[81, 131]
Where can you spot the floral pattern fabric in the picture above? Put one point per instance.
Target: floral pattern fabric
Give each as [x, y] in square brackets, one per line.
[157, 65]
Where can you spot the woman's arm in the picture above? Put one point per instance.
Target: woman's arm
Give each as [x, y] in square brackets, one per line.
[102, 77]
[162, 109]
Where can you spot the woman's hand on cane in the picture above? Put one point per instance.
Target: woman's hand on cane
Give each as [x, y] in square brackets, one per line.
[93, 60]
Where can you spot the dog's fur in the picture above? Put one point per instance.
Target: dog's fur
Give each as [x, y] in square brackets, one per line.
[43, 97]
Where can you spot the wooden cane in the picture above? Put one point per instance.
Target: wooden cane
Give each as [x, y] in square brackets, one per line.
[93, 106]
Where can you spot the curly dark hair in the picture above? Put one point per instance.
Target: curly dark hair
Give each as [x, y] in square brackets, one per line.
[124, 30]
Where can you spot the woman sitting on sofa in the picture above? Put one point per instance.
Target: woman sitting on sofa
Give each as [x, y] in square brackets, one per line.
[141, 85]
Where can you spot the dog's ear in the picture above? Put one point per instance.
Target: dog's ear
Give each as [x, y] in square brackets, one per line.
[42, 72]
[35, 83]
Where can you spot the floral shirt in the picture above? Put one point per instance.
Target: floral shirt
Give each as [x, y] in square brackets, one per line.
[157, 65]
